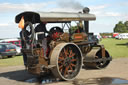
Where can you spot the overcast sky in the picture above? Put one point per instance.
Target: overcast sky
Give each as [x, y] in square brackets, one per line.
[108, 12]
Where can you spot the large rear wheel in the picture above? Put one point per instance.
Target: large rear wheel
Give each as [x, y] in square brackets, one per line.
[67, 59]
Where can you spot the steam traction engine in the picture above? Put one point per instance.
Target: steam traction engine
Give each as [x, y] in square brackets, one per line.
[58, 51]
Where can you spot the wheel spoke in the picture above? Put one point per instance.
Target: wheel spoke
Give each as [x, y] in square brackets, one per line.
[65, 52]
[71, 54]
[61, 70]
[73, 60]
[73, 64]
[61, 67]
[60, 62]
[70, 68]
[61, 54]
[66, 70]
[61, 58]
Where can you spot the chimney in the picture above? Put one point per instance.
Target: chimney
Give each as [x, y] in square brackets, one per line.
[86, 10]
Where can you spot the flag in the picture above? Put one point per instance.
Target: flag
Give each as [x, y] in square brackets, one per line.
[21, 23]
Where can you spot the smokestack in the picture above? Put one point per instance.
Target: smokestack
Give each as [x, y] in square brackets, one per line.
[86, 10]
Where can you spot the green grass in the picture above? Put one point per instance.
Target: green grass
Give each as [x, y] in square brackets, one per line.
[116, 48]
[17, 60]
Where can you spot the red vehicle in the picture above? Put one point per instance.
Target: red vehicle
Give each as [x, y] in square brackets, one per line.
[115, 34]
[16, 42]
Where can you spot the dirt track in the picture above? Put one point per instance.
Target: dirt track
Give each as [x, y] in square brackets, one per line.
[118, 68]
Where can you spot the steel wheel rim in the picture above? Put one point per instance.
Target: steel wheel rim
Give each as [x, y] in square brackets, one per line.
[103, 64]
[68, 62]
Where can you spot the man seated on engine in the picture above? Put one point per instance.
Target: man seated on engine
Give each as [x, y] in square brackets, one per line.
[41, 31]
[79, 27]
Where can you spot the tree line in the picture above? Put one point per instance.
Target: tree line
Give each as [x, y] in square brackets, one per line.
[121, 27]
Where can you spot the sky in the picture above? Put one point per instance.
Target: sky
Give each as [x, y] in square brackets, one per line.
[108, 12]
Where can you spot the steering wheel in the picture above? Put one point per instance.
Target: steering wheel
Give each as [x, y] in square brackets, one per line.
[28, 33]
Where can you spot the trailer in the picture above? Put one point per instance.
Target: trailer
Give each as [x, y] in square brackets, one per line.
[122, 36]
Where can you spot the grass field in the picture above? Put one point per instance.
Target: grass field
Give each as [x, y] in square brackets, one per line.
[116, 48]
[17, 60]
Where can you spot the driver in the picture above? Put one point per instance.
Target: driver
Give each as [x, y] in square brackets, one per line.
[40, 30]
[41, 27]
[80, 27]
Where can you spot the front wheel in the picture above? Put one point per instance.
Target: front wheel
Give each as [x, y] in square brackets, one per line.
[10, 56]
[67, 59]
[94, 55]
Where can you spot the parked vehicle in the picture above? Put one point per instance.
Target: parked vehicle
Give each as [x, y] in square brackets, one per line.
[18, 50]
[58, 52]
[7, 49]
[16, 42]
[98, 36]
[115, 34]
[122, 36]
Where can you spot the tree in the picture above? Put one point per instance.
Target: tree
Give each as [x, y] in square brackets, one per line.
[126, 24]
[121, 28]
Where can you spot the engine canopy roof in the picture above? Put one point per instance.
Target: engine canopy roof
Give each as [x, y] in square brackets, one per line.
[37, 17]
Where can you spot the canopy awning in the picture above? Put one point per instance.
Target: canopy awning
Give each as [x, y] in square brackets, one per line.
[36, 17]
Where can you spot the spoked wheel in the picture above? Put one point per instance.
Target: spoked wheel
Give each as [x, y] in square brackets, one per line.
[67, 59]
